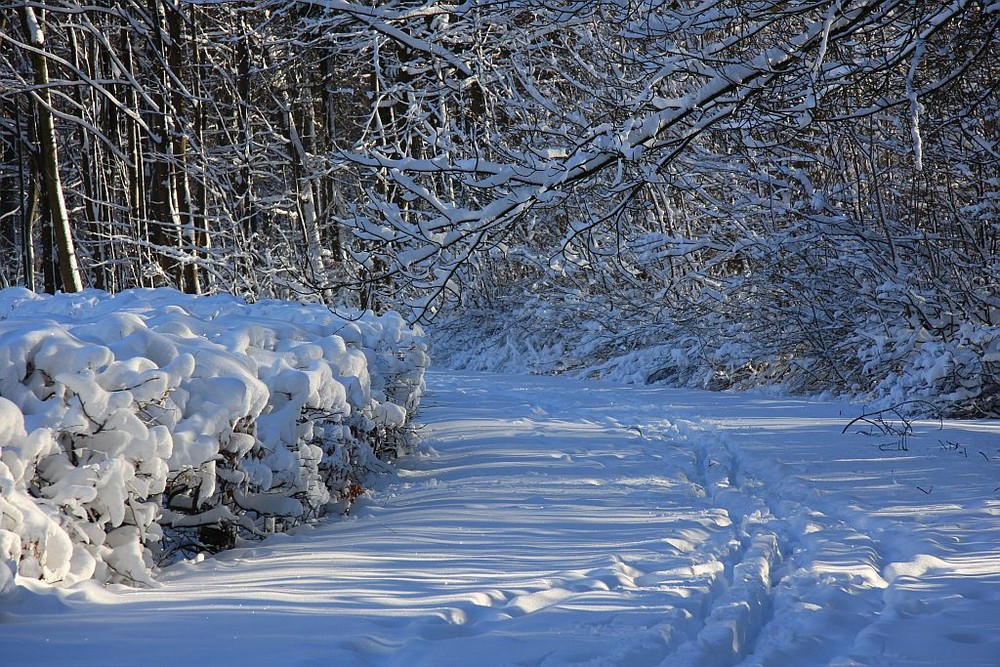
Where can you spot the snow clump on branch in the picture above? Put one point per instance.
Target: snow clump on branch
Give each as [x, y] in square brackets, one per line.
[141, 427]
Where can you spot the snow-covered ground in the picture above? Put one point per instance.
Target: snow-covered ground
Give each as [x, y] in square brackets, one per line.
[550, 521]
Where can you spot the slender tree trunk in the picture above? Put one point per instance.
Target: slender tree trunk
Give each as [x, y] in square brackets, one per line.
[183, 204]
[332, 191]
[199, 191]
[92, 158]
[165, 219]
[48, 158]
[247, 210]
[11, 198]
[306, 199]
[134, 272]
[28, 206]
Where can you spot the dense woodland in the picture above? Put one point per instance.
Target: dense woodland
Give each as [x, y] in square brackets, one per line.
[717, 193]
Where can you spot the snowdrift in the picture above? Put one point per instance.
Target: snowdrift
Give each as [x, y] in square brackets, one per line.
[139, 427]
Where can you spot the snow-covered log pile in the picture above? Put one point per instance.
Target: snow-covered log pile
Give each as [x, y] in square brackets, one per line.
[146, 425]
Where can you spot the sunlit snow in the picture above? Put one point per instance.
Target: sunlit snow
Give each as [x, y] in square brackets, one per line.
[550, 521]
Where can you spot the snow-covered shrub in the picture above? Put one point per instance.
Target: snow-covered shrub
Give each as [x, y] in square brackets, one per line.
[142, 425]
[958, 373]
[884, 342]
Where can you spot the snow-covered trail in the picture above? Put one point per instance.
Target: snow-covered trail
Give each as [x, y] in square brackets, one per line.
[552, 522]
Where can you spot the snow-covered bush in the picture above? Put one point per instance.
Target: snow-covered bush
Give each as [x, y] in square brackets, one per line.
[147, 424]
[958, 374]
[883, 343]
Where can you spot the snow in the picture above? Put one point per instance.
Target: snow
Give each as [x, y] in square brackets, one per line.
[553, 521]
[127, 418]
[35, 33]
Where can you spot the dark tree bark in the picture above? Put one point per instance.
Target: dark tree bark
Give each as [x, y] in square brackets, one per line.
[48, 160]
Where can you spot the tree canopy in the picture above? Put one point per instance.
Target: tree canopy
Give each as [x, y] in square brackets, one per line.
[803, 192]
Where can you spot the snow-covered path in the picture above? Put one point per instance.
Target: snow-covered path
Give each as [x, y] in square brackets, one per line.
[554, 522]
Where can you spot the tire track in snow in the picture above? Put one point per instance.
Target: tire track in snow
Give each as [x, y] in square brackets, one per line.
[790, 560]
[540, 533]
[734, 617]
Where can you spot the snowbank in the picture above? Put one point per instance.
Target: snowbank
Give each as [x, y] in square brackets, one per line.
[138, 427]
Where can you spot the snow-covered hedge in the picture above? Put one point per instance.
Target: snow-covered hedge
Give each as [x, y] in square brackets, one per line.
[140, 426]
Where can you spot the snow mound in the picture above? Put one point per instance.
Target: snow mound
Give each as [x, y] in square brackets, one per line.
[139, 427]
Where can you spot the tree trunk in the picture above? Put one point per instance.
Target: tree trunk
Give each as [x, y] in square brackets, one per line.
[306, 200]
[48, 160]
[183, 204]
[197, 278]
[165, 219]
[11, 197]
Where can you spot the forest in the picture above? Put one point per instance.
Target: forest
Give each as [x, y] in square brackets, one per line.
[711, 193]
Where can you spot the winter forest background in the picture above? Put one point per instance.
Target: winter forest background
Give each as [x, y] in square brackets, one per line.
[721, 194]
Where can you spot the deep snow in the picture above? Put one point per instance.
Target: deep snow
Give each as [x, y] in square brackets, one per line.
[550, 521]
[145, 426]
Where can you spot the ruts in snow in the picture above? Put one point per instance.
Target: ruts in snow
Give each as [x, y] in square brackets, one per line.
[552, 522]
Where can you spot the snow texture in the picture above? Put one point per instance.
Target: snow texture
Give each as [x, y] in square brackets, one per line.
[891, 361]
[139, 427]
[551, 521]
